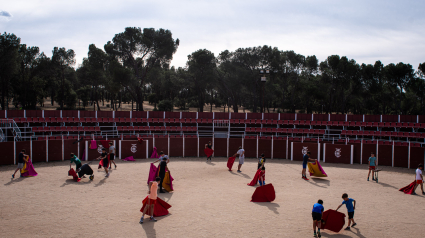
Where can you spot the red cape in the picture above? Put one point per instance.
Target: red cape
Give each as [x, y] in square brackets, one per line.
[208, 152]
[72, 173]
[101, 163]
[409, 189]
[160, 209]
[264, 193]
[334, 221]
[256, 178]
[230, 163]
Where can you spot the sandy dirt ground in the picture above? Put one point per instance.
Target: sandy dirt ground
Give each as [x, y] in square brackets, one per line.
[208, 201]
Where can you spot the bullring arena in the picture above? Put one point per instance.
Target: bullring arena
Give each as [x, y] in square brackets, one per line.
[208, 200]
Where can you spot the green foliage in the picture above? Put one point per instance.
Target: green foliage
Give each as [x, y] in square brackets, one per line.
[135, 66]
[165, 105]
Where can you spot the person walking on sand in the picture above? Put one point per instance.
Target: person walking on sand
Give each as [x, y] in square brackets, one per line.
[153, 195]
[241, 153]
[104, 157]
[112, 154]
[419, 179]
[372, 164]
[21, 161]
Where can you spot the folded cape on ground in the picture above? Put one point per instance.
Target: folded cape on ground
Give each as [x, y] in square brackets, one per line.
[333, 220]
[154, 153]
[256, 178]
[409, 189]
[101, 163]
[230, 163]
[130, 158]
[264, 193]
[208, 152]
[74, 175]
[316, 169]
[28, 169]
[160, 208]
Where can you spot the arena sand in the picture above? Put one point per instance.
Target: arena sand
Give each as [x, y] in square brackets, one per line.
[208, 201]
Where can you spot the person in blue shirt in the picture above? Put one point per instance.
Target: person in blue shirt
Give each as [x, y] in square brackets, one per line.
[350, 209]
[372, 164]
[306, 159]
[317, 217]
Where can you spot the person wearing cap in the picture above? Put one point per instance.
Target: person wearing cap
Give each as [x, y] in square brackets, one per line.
[241, 153]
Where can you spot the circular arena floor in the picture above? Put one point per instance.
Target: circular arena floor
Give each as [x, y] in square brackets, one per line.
[208, 201]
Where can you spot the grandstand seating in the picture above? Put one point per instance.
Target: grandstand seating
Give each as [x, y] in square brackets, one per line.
[386, 129]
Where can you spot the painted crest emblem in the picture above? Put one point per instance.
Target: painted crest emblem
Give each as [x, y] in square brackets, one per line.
[133, 148]
[304, 150]
[337, 152]
[99, 149]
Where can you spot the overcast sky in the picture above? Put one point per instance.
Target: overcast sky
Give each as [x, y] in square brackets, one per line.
[391, 31]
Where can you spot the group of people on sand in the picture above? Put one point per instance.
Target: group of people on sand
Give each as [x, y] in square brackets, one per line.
[163, 160]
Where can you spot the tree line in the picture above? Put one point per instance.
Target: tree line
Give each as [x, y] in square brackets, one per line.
[135, 67]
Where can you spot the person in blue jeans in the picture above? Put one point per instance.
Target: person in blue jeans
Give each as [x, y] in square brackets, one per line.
[372, 164]
[306, 159]
[317, 217]
[350, 209]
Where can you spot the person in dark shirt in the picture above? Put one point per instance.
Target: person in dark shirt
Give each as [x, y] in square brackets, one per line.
[209, 146]
[261, 161]
[21, 160]
[104, 157]
[306, 159]
[162, 169]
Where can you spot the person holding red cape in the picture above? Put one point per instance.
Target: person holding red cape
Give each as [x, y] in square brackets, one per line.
[208, 150]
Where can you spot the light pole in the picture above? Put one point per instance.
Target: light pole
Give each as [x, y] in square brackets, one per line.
[263, 79]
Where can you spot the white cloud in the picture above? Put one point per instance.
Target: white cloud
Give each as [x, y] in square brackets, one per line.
[362, 30]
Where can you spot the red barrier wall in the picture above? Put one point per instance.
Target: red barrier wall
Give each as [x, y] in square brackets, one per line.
[250, 147]
[133, 148]
[220, 147]
[176, 147]
[68, 148]
[161, 144]
[385, 155]
[357, 153]
[7, 155]
[416, 156]
[301, 148]
[150, 145]
[52, 113]
[191, 147]
[24, 145]
[234, 144]
[39, 151]
[367, 150]
[279, 149]
[401, 156]
[2, 114]
[338, 154]
[265, 146]
[55, 150]
[94, 153]
[202, 142]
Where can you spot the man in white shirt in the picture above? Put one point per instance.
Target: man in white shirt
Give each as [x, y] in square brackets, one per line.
[419, 179]
[162, 157]
[241, 153]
